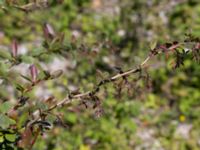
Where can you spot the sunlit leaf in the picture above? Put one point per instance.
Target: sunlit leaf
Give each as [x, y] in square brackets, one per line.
[27, 59]
[37, 52]
[5, 121]
[4, 69]
[5, 54]
[153, 44]
[10, 137]
[5, 107]
[1, 138]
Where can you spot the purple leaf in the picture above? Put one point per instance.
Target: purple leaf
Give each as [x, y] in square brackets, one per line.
[34, 72]
[48, 31]
[14, 48]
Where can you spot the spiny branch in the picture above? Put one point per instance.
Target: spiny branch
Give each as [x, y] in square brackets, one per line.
[70, 98]
[165, 48]
[168, 47]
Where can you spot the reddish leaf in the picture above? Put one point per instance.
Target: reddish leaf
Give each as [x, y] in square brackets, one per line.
[49, 32]
[34, 72]
[14, 48]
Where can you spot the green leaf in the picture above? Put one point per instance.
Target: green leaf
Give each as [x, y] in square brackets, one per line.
[41, 75]
[27, 59]
[37, 52]
[1, 138]
[56, 74]
[10, 137]
[4, 69]
[5, 121]
[5, 107]
[72, 118]
[19, 87]
[26, 78]
[128, 124]
[153, 44]
[151, 101]
[5, 55]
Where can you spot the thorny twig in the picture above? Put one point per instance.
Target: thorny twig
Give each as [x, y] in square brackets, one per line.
[70, 98]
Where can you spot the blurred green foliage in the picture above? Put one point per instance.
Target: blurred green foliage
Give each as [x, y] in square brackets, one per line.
[150, 120]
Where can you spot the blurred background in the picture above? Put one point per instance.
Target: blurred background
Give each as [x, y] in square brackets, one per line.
[159, 112]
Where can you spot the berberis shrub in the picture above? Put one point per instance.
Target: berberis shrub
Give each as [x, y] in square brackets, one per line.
[27, 112]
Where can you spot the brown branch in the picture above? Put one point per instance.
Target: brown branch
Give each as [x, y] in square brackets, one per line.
[70, 98]
[95, 90]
